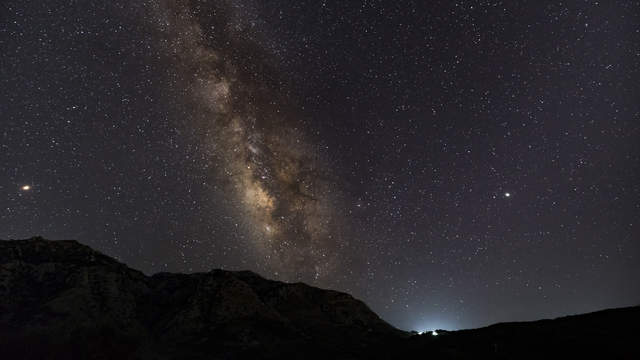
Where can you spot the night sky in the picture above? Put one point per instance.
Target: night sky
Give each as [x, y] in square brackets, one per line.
[451, 163]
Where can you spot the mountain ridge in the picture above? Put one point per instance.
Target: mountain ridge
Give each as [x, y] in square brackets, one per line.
[63, 300]
[68, 289]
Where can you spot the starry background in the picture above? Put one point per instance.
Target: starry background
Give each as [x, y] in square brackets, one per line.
[451, 163]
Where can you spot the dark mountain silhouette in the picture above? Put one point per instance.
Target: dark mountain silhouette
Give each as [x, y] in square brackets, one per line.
[63, 300]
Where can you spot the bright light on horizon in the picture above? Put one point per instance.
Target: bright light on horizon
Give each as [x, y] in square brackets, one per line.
[432, 326]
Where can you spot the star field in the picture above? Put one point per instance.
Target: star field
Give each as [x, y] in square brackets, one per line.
[451, 163]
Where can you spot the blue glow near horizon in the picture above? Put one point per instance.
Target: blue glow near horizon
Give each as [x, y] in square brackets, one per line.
[432, 326]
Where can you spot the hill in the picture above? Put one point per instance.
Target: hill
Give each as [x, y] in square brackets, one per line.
[63, 300]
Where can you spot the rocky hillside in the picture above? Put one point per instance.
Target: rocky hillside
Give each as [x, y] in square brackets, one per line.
[61, 299]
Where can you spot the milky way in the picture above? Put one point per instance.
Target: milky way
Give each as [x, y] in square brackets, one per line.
[265, 161]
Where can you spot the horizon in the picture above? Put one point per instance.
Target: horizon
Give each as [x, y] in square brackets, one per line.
[451, 164]
[432, 326]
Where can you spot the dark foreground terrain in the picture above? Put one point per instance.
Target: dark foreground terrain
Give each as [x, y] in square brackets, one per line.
[63, 300]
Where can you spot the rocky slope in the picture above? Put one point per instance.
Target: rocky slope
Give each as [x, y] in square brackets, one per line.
[61, 299]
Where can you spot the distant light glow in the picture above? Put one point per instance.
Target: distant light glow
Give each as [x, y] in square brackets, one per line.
[432, 332]
[25, 187]
[507, 194]
[432, 326]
